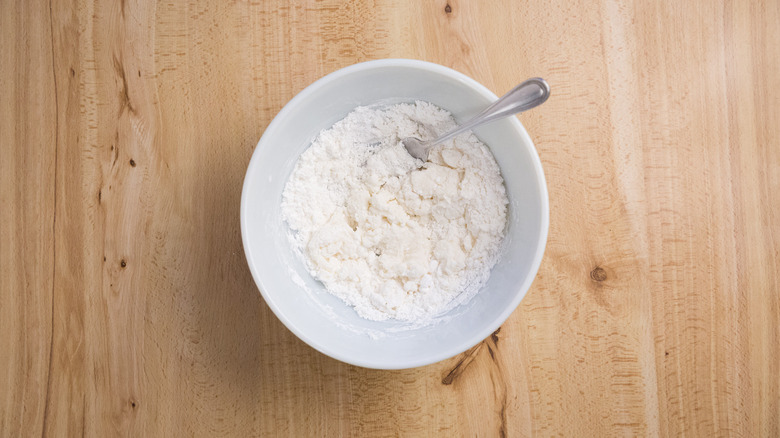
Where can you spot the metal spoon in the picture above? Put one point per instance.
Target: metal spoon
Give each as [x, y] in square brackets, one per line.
[525, 96]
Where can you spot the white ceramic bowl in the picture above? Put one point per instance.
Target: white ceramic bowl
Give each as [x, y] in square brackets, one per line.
[324, 321]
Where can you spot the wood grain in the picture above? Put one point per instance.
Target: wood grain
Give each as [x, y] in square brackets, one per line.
[127, 307]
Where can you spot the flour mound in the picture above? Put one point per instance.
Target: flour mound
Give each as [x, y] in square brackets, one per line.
[389, 238]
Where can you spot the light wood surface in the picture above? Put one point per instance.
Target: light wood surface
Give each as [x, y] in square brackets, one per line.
[127, 307]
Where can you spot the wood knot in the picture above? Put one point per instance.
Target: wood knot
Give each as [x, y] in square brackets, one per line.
[465, 360]
[123, 263]
[132, 162]
[598, 274]
[494, 336]
[448, 9]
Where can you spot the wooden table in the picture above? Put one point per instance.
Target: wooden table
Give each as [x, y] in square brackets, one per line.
[127, 307]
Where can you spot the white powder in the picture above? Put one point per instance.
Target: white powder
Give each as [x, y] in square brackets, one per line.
[389, 238]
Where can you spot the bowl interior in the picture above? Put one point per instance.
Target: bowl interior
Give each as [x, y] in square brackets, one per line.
[302, 303]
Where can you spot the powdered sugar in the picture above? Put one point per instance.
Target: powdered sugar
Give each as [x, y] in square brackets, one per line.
[389, 238]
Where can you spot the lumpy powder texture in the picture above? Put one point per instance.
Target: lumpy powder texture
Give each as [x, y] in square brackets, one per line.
[391, 236]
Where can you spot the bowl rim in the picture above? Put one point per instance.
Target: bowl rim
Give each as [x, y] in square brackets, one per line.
[468, 342]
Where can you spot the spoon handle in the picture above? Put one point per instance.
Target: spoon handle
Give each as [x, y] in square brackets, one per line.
[523, 97]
